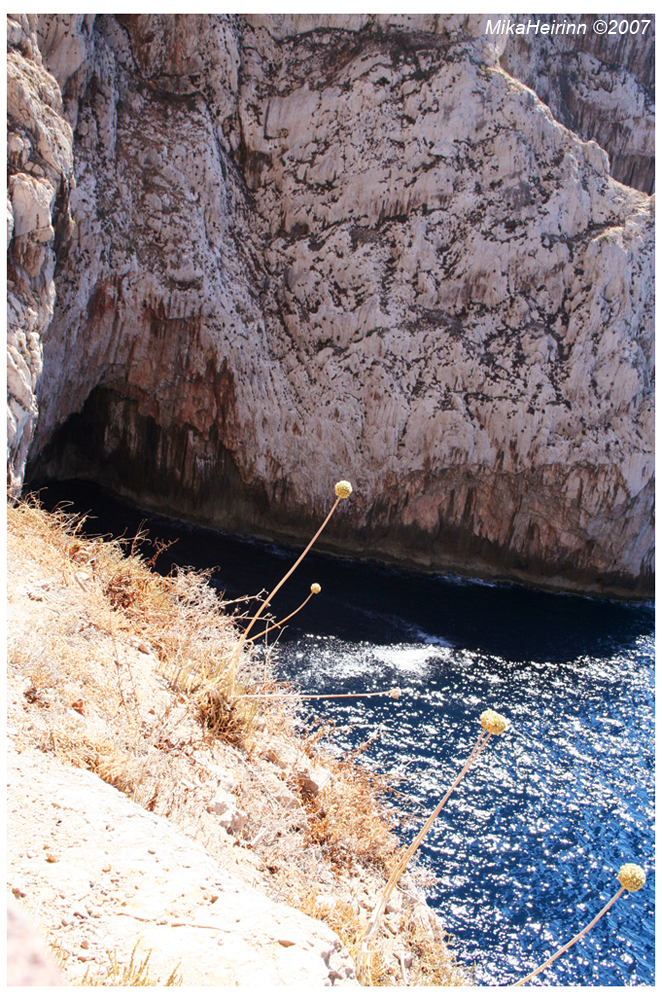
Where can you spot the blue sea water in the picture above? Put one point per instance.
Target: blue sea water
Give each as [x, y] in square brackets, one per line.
[528, 848]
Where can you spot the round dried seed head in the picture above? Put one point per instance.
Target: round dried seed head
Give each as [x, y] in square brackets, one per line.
[632, 877]
[343, 489]
[493, 722]
[315, 588]
[395, 693]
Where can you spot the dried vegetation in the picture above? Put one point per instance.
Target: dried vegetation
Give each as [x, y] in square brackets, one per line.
[135, 677]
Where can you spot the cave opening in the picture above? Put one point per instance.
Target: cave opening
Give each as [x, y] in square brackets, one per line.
[172, 470]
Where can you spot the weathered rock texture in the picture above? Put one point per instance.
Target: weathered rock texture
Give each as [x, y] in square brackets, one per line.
[40, 161]
[602, 86]
[119, 878]
[309, 247]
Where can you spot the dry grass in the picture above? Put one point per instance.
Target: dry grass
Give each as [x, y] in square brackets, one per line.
[347, 920]
[126, 672]
[179, 618]
[135, 677]
[135, 972]
[350, 817]
[409, 940]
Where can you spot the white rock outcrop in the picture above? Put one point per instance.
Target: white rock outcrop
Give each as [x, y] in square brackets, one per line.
[162, 893]
[320, 246]
[224, 805]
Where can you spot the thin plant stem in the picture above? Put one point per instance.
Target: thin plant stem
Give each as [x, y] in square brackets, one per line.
[273, 593]
[311, 697]
[375, 920]
[254, 638]
[545, 965]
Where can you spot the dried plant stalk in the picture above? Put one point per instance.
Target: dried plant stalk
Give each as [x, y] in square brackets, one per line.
[315, 589]
[492, 724]
[632, 878]
[343, 489]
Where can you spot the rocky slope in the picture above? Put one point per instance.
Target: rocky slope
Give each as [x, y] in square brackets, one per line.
[313, 246]
[117, 878]
[232, 845]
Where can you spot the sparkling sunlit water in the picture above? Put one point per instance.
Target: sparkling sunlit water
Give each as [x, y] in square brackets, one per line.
[527, 850]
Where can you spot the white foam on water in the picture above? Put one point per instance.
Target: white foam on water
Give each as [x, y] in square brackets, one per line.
[407, 659]
[433, 640]
[342, 660]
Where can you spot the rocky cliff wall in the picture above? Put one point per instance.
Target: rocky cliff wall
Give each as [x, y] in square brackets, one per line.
[601, 86]
[314, 246]
[40, 167]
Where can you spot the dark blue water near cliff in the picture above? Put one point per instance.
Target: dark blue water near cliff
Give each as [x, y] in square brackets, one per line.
[528, 849]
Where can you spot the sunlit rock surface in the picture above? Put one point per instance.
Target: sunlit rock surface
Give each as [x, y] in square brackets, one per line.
[600, 85]
[40, 161]
[309, 247]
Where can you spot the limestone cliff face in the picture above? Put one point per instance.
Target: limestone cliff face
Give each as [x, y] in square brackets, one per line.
[309, 247]
[40, 161]
[602, 86]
